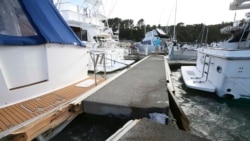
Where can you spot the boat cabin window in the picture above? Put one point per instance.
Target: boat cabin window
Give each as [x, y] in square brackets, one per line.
[13, 21]
[148, 42]
[82, 34]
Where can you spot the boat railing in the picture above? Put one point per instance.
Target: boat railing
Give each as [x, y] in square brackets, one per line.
[67, 6]
[244, 34]
[74, 12]
[95, 55]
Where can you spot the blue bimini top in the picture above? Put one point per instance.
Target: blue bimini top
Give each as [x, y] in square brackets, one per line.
[31, 22]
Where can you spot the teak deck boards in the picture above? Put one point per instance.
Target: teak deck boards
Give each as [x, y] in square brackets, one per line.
[16, 114]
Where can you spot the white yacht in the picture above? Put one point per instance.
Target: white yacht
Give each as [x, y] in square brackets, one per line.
[43, 70]
[86, 19]
[224, 69]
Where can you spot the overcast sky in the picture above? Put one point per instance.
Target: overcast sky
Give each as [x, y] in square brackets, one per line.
[162, 12]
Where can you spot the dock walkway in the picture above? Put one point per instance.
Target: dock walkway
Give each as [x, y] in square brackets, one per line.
[136, 93]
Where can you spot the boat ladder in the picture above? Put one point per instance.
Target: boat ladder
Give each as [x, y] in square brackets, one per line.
[205, 70]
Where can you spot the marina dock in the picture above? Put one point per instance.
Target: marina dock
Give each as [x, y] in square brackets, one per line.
[146, 129]
[134, 94]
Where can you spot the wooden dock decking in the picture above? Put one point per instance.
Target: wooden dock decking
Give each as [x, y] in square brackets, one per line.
[50, 109]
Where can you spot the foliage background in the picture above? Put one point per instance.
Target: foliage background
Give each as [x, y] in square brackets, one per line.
[128, 30]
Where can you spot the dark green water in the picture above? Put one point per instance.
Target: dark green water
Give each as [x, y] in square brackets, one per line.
[212, 117]
[90, 128]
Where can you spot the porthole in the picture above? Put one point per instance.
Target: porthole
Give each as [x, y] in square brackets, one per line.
[219, 69]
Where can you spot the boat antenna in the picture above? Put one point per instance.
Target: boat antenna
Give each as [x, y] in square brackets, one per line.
[112, 8]
[206, 36]
[202, 33]
[174, 36]
[83, 2]
[145, 30]
[168, 27]
[161, 16]
[106, 19]
[234, 16]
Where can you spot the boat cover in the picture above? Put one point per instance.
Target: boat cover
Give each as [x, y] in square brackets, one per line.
[31, 22]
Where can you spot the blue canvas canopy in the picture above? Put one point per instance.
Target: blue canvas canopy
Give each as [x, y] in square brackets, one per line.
[29, 22]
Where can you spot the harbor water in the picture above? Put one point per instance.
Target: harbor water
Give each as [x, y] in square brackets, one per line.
[212, 117]
[88, 127]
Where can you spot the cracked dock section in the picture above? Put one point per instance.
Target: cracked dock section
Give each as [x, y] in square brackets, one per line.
[136, 93]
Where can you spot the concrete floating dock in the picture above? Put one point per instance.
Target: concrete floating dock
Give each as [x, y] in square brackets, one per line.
[136, 93]
[148, 130]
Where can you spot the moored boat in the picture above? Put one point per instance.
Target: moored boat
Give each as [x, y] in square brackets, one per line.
[181, 52]
[147, 45]
[43, 69]
[224, 69]
[86, 19]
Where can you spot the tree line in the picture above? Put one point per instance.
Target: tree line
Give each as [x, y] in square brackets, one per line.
[196, 33]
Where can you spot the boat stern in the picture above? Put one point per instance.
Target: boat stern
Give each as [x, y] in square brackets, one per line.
[192, 78]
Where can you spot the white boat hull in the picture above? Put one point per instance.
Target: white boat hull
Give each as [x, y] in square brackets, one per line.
[225, 72]
[36, 70]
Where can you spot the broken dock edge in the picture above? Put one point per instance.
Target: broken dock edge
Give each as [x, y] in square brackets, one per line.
[179, 115]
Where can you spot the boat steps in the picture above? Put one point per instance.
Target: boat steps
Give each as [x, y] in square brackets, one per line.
[193, 80]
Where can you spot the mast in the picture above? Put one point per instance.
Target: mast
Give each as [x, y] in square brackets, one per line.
[234, 16]
[174, 34]
[145, 30]
[202, 33]
[206, 36]
[106, 17]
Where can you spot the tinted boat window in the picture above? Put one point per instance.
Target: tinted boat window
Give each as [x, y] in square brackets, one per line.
[13, 21]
